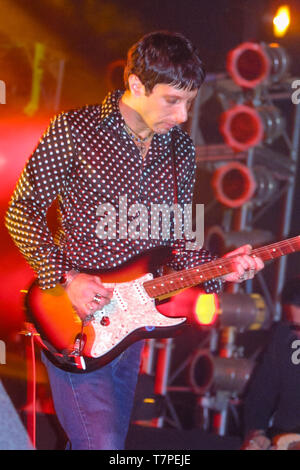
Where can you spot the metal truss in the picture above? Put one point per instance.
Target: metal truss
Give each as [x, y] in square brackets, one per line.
[281, 163]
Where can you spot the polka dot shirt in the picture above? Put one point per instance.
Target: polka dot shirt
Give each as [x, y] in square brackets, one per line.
[88, 162]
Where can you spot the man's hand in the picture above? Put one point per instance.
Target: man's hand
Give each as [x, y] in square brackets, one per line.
[245, 266]
[257, 440]
[87, 294]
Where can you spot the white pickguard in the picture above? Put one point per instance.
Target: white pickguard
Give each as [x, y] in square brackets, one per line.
[130, 309]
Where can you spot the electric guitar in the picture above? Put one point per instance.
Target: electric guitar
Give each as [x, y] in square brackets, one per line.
[132, 313]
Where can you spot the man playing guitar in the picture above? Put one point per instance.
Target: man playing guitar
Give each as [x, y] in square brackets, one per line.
[130, 145]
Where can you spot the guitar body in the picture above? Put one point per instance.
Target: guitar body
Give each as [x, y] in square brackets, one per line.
[131, 315]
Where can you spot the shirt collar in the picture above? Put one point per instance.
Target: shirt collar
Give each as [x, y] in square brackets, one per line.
[110, 115]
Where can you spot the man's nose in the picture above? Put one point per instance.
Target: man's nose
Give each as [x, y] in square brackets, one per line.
[182, 113]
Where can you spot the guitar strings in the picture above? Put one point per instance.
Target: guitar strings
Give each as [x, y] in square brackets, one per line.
[222, 266]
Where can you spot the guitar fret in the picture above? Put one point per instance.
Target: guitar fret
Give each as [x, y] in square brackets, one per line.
[291, 245]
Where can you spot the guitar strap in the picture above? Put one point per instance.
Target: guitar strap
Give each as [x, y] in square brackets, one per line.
[173, 158]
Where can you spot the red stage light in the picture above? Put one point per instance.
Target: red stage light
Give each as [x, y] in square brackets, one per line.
[233, 184]
[248, 64]
[251, 64]
[242, 127]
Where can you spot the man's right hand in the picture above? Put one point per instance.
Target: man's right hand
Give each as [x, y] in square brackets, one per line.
[257, 440]
[87, 294]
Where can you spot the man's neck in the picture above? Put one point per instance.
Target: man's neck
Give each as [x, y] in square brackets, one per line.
[132, 117]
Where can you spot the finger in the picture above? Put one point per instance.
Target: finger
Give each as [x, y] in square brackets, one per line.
[249, 263]
[259, 264]
[242, 250]
[97, 280]
[106, 291]
[101, 301]
[239, 270]
[241, 264]
[102, 291]
[92, 306]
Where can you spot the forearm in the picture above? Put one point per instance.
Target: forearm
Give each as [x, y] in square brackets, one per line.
[29, 231]
[42, 180]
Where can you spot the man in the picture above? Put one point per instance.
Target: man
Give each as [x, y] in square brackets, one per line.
[272, 404]
[131, 145]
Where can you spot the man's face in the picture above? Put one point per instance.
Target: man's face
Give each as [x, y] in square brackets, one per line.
[165, 107]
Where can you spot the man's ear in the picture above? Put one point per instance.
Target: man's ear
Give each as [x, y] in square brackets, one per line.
[136, 87]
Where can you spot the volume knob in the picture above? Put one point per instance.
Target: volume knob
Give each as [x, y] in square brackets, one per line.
[105, 321]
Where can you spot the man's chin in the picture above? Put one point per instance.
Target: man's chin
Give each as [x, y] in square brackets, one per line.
[164, 129]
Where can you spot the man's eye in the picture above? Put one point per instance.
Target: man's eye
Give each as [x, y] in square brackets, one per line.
[172, 100]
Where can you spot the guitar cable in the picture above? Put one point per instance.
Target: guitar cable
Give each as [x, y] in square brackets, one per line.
[31, 385]
[33, 381]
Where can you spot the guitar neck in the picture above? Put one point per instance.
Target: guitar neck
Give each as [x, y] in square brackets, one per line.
[166, 285]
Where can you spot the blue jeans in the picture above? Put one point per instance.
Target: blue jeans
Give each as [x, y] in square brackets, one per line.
[94, 408]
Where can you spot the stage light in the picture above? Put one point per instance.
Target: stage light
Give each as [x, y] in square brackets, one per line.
[234, 184]
[219, 242]
[244, 126]
[206, 309]
[251, 64]
[281, 21]
[213, 373]
[243, 311]
[237, 313]
[194, 304]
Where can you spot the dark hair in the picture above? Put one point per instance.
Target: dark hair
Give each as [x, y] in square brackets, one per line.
[164, 57]
[291, 292]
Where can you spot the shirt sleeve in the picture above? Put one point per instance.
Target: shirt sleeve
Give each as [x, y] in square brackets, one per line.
[40, 183]
[185, 256]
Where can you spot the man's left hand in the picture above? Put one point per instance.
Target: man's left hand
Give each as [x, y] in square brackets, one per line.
[246, 266]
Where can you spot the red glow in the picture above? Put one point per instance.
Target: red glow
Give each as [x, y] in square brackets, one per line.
[18, 138]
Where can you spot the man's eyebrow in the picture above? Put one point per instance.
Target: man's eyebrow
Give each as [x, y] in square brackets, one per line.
[175, 95]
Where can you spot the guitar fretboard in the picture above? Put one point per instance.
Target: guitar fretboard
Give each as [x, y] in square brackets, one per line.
[170, 283]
